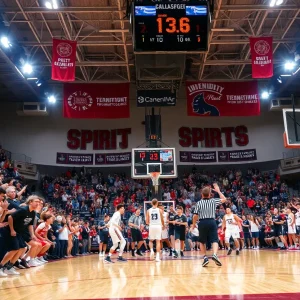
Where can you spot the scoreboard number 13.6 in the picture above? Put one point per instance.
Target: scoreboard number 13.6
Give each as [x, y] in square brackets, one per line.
[173, 26]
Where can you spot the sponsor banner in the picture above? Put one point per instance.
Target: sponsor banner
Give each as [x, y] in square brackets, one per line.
[198, 157]
[221, 99]
[113, 158]
[262, 56]
[101, 101]
[155, 98]
[237, 155]
[74, 159]
[63, 60]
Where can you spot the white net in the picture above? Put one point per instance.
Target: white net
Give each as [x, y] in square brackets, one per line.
[155, 180]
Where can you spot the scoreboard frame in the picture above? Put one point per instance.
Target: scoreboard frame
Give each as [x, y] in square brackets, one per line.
[147, 163]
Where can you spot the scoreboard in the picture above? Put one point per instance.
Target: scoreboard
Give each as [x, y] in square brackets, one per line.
[145, 160]
[170, 26]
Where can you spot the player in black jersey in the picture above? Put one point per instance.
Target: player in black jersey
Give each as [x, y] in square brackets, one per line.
[180, 222]
[278, 223]
[172, 215]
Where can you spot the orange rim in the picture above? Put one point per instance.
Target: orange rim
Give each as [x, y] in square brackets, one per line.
[286, 145]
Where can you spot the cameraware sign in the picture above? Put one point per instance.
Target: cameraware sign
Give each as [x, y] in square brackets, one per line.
[155, 98]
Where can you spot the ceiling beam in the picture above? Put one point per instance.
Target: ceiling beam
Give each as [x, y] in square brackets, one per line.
[115, 9]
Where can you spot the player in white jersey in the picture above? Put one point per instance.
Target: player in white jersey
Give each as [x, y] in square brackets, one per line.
[115, 232]
[165, 232]
[154, 219]
[297, 217]
[291, 229]
[232, 224]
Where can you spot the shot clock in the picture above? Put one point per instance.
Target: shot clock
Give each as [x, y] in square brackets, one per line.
[170, 26]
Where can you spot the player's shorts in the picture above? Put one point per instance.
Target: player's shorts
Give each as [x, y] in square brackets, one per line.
[136, 235]
[298, 230]
[171, 230]
[43, 243]
[242, 235]
[155, 232]
[278, 231]
[104, 237]
[291, 229]
[247, 235]
[255, 234]
[232, 233]
[16, 243]
[180, 235]
[165, 234]
[115, 235]
[269, 235]
[26, 237]
[195, 239]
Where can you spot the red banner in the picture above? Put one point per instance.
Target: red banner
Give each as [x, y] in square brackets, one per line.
[222, 99]
[262, 57]
[63, 60]
[96, 101]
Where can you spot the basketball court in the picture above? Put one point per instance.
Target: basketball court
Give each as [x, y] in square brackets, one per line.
[252, 275]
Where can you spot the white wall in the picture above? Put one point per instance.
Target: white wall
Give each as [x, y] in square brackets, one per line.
[41, 137]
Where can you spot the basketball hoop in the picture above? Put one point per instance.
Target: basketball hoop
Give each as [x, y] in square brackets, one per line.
[155, 178]
[287, 144]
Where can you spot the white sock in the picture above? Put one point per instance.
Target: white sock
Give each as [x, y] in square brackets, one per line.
[157, 254]
[151, 250]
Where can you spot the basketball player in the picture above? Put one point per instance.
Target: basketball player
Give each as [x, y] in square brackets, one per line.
[135, 222]
[103, 233]
[180, 223]
[154, 219]
[231, 222]
[165, 233]
[278, 227]
[291, 229]
[171, 217]
[115, 233]
[297, 216]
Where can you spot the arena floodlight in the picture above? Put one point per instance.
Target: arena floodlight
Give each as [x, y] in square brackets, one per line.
[27, 68]
[265, 95]
[52, 99]
[290, 65]
[5, 42]
[275, 2]
[51, 4]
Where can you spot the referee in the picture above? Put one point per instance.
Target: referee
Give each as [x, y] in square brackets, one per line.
[205, 211]
[134, 223]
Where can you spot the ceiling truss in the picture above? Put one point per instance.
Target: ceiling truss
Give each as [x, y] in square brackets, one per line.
[105, 45]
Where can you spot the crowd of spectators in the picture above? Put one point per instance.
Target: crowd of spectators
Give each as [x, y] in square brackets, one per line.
[78, 204]
[91, 195]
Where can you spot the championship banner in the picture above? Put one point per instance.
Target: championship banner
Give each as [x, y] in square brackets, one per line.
[74, 159]
[113, 158]
[262, 56]
[238, 155]
[96, 101]
[198, 157]
[63, 60]
[222, 99]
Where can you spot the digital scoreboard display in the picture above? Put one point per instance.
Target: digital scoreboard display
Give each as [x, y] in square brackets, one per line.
[170, 26]
[152, 156]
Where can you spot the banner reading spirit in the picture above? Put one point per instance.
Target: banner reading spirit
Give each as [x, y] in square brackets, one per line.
[101, 101]
[222, 99]
[63, 60]
[262, 57]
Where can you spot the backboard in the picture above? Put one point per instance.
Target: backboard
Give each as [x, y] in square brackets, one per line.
[291, 134]
[146, 160]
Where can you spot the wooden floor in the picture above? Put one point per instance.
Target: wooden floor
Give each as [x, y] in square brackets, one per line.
[88, 277]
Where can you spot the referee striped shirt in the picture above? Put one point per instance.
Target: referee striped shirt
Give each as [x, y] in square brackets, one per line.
[206, 208]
